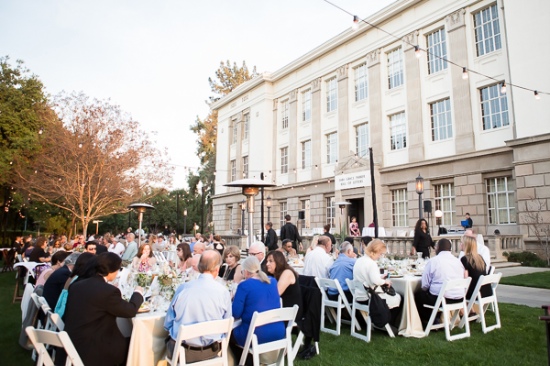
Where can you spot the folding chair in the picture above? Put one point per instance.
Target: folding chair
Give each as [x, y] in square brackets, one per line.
[214, 327]
[442, 305]
[483, 303]
[40, 338]
[283, 346]
[339, 304]
[363, 310]
[29, 266]
[159, 257]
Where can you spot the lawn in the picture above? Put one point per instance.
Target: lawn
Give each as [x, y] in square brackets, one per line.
[520, 341]
[536, 279]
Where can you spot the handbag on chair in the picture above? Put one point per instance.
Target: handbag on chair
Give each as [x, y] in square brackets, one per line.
[379, 311]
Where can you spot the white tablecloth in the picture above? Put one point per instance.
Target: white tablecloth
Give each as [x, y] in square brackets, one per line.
[369, 231]
[410, 325]
[147, 346]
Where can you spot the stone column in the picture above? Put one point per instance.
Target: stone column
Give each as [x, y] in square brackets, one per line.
[292, 136]
[239, 146]
[316, 137]
[274, 136]
[343, 115]
[415, 135]
[377, 118]
[460, 101]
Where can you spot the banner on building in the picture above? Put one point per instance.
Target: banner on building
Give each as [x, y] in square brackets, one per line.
[352, 180]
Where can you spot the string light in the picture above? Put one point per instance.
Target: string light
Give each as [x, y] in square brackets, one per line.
[355, 24]
[417, 51]
[503, 87]
[537, 96]
[464, 73]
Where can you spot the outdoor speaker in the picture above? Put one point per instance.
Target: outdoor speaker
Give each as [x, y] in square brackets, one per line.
[301, 215]
[428, 206]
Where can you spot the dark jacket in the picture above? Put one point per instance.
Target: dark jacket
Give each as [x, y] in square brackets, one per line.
[54, 285]
[90, 320]
[290, 231]
[310, 324]
[271, 240]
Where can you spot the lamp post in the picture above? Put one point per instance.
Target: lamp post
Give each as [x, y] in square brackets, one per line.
[438, 215]
[419, 190]
[268, 203]
[140, 208]
[250, 188]
[96, 222]
[184, 221]
[243, 209]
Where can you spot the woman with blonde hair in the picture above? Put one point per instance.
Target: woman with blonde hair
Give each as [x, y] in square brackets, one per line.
[474, 266]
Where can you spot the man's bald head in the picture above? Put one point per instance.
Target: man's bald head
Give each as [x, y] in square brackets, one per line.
[325, 242]
[199, 247]
[209, 261]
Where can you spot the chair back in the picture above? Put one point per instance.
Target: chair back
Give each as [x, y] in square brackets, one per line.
[41, 338]
[284, 345]
[159, 256]
[211, 328]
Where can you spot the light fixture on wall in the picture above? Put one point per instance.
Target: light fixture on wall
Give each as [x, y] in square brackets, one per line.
[464, 73]
[419, 190]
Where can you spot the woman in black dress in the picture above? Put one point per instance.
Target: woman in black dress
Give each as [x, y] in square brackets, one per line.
[422, 239]
[231, 270]
[475, 266]
[287, 280]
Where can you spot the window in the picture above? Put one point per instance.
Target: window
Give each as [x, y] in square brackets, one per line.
[233, 170]
[332, 148]
[245, 167]
[395, 68]
[442, 125]
[246, 126]
[487, 30]
[437, 51]
[284, 114]
[331, 211]
[234, 138]
[306, 154]
[230, 210]
[445, 201]
[306, 105]
[362, 139]
[494, 107]
[398, 131]
[332, 94]
[501, 201]
[284, 160]
[399, 207]
[361, 87]
[306, 204]
[283, 210]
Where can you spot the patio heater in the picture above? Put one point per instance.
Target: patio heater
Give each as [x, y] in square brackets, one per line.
[140, 208]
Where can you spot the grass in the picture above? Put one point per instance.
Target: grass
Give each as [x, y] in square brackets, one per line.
[536, 279]
[520, 341]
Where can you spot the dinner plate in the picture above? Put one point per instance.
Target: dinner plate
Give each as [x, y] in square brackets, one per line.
[396, 276]
[144, 308]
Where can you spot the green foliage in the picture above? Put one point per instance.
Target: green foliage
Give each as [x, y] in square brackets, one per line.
[527, 259]
[536, 279]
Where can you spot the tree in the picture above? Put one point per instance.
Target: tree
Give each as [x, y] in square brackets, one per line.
[537, 218]
[93, 161]
[228, 77]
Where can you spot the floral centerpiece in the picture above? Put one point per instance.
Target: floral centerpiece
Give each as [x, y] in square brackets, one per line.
[143, 279]
[168, 282]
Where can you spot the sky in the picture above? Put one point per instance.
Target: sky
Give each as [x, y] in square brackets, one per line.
[154, 58]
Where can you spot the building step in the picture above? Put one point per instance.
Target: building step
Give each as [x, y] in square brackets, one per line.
[503, 263]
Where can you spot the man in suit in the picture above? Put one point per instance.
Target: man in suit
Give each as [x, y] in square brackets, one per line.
[290, 231]
[271, 240]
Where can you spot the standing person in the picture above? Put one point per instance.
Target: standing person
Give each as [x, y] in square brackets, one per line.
[422, 240]
[470, 222]
[271, 240]
[290, 231]
[192, 304]
[326, 229]
[354, 227]
[93, 305]
[217, 244]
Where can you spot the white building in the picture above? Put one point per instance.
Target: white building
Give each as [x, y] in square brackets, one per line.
[309, 126]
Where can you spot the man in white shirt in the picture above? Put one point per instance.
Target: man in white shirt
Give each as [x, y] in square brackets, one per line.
[317, 263]
[131, 248]
[443, 267]
[116, 247]
[257, 249]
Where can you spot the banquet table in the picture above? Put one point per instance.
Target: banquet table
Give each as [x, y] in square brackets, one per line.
[369, 231]
[410, 324]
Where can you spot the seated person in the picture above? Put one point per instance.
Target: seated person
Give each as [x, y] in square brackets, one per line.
[475, 267]
[144, 260]
[444, 266]
[341, 269]
[287, 249]
[231, 270]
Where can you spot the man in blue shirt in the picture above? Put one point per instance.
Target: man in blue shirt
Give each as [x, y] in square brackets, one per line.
[200, 300]
[341, 269]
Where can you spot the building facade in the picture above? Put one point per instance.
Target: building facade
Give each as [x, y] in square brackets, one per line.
[441, 89]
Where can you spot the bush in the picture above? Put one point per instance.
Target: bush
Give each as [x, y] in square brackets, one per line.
[527, 259]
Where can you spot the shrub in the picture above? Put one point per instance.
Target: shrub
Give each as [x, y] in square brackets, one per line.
[527, 259]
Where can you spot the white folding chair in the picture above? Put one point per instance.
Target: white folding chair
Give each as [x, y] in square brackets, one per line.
[363, 310]
[215, 327]
[159, 257]
[442, 305]
[283, 346]
[30, 273]
[483, 303]
[334, 306]
[40, 338]
[27, 299]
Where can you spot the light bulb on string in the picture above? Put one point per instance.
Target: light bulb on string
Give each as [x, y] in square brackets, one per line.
[417, 51]
[464, 73]
[503, 87]
[537, 96]
[355, 24]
